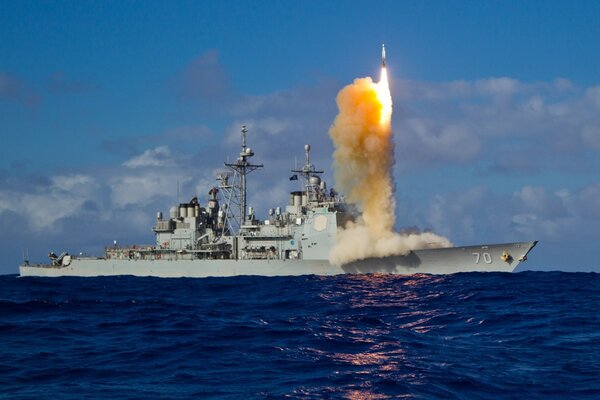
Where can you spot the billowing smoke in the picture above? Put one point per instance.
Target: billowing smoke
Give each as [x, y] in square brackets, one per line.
[363, 159]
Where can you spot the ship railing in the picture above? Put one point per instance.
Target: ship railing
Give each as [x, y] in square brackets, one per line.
[331, 205]
[127, 252]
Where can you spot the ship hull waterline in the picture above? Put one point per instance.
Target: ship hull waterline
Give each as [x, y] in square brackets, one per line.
[481, 258]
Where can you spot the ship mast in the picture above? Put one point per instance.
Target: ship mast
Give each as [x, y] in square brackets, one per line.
[237, 190]
[307, 172]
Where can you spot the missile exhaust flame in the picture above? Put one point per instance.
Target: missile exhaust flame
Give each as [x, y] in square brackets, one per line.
[363, 158]
[385, 98]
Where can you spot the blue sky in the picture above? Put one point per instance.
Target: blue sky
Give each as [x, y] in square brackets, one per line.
[105, 105]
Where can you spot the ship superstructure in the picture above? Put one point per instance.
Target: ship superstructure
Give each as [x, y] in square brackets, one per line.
[226, 228]
[222, 236]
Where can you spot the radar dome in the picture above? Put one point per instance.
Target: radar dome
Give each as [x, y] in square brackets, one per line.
[315, 180]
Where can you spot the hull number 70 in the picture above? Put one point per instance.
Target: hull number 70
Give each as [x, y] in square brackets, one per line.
[486, 257]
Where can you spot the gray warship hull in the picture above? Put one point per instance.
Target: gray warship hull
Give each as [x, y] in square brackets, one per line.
[225, 238]
[482, 258]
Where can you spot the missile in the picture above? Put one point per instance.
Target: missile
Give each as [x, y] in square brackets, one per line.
[383, 55]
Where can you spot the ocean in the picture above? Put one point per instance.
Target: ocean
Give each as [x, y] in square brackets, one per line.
[461, 336]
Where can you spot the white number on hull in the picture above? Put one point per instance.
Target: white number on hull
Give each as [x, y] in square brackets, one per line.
[487, 257]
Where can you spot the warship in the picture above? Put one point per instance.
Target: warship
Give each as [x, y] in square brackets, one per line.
[224, 237]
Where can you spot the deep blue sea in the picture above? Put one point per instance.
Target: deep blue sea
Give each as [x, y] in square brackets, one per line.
[462, 336]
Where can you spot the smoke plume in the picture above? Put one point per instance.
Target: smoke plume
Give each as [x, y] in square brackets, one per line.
[363, 159]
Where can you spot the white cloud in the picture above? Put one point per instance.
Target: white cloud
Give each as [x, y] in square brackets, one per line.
[43, 211]
[519, 127]
[158, 157]
[262, 131]
[477, 215]
[75, 182]
[588, 202]
[543, 203]
[423, 141]
[593, 95]
[7, 202]
[144, 188]
[591, 137]
[453, 214]
[43, 207]
[535, 105]
[498, 86]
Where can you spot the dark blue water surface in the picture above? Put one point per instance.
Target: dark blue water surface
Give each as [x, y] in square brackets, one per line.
[463, 336]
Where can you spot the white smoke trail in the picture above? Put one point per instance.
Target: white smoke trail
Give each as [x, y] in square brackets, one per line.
[363, 158]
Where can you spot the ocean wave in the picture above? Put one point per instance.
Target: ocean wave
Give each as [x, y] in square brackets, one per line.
[463, 336]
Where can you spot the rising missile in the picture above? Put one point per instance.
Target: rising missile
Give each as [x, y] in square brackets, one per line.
[383, 55]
